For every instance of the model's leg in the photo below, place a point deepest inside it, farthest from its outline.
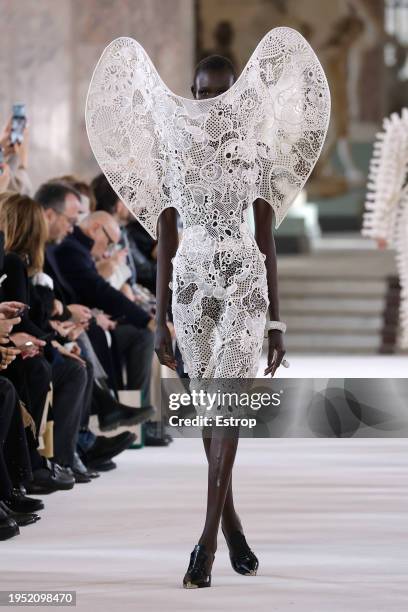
(243, 559)
(230, 519)
(221, 458)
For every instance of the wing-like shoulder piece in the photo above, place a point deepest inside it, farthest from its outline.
(294, 118)
(158, 149)
(126, 128)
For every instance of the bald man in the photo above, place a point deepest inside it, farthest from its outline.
(76, 260)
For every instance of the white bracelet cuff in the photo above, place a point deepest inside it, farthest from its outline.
(280, 325)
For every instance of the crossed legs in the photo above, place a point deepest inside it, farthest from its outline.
(220, 450)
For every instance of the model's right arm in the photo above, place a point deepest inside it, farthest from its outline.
(167, 247)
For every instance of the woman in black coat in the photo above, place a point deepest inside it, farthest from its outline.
(23, 223)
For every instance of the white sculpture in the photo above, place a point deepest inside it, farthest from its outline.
(386, 215)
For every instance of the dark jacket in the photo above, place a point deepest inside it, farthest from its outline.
(17, 287)
(63, 290)
(77, 267)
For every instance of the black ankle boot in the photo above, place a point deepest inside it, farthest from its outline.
(112, 414)
(243, 560)
(197, 576)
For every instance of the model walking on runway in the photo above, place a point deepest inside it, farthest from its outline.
(238, 143)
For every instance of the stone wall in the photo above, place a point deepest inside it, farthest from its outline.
(49, 49)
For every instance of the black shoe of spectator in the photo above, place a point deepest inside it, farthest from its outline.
(153, 436)
(20, 503)
(79, 467)
(106, 448)
(81, 478)
(8, 526)
(49, 479)
(124, 416)
(102, 466)
(64, 470)
(22, 519)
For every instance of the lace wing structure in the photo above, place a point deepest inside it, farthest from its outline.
(295, 114)
(126, 127)
(153, 145)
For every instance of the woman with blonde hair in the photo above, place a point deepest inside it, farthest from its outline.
(25, 234)
(25, 229)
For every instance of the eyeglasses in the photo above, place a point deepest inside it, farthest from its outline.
(111, 243)
(72, 221)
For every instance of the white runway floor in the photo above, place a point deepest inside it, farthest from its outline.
(327, 519)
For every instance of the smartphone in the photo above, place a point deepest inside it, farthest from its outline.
(1, 161)
(20, 311)
(18, 123)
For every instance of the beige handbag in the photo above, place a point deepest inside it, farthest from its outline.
(46, 433)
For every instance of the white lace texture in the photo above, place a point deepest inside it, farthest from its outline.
(211, 159)
(386, 207)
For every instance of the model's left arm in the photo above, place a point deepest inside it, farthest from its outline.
(263, 215)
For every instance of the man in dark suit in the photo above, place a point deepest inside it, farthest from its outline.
(62, 205)
(76, 260)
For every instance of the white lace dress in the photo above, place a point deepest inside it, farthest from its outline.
(211, 159)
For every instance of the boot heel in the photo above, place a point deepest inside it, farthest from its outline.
(243, 559)
(197, 576)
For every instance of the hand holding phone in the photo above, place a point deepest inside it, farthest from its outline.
(18, 123)
(22, 310)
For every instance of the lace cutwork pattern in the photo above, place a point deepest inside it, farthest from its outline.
(211, 159)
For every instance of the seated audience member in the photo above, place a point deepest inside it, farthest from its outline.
(64, 367)
(15, 464)
(88, 204)
(111, 271)
(23, 222)
(17, 372)
(143, 267)
(61, 206)
(140, 269)
(25, 232)
(141, 248)
(76, 257)
(16, 510)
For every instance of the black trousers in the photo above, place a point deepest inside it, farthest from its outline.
(15, 466)
(108, 356)
(136, 346)
(70, 383)
(87, 403)
(32, 378)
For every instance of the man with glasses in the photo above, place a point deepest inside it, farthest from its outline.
(62, 207)
(134, 336)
